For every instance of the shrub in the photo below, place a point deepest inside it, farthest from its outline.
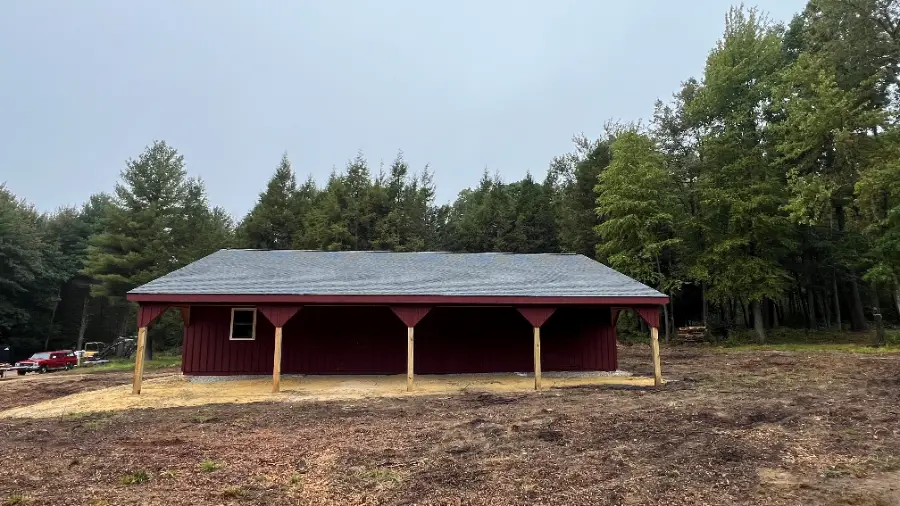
(209, 465)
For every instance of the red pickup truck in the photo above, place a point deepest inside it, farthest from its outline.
(47, 361)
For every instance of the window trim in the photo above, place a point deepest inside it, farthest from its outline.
(231, 326)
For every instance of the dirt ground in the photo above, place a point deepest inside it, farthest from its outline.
(735, 428)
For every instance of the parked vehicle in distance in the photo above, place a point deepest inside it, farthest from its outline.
(46, 361)
(92, 348)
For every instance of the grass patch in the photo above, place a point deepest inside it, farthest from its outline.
(169, 474)
(209, 465)
(18, 500)
(134, 478)
(790, 336)
(782, 339)
(234, 492)
(864, 468)
(116, 364)
(800, 347)
(378, 477)
(204, 418)
(885, 464)
(790, 339)
(89, 420)
(799, 340)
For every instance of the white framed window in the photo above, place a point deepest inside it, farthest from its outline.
(243, 324)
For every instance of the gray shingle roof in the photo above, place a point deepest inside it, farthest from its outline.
(259, 272)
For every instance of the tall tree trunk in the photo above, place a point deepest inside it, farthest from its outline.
(824, 309)
(837, 302)
(728, 316)
(775, 308)
(672, 327)
(83, 326)
(897, 296)
(876, 315)
(802, 309)
(811, 308)
(732, 313)
(672, 316)
(52, 317)
(706, 304)
(758, 322)
(880, 339)
(857, 314)
(788, 311)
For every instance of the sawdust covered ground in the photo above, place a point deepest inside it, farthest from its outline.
(17, 391)
(173, 391)
(737, 428)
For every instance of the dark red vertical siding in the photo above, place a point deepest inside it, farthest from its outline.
(579, 339)
(372, 340)
(207, 349)
(473, 340)
(344, 340)
(149, 312)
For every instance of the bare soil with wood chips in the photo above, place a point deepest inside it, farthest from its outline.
(729, 428)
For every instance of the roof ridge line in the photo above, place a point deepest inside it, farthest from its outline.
(433, 252)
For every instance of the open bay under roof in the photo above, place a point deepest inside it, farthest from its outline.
(367, 276)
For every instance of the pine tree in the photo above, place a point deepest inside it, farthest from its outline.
(303, 206)
(157, 222)
(392, 230)
(534, 229)
(576, 177)
(273, 222)
(138, 242)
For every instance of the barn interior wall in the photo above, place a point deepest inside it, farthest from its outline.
(372, 340)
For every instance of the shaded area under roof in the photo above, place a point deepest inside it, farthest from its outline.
(369, 273)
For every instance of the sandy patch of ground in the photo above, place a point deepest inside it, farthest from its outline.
(177, 391)
(16, 391)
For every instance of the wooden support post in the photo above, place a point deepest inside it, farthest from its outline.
(654, 345)
(139, 361)
(409, 359)
(537, 358)
(276, 366)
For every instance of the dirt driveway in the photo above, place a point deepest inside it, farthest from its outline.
(737, 428)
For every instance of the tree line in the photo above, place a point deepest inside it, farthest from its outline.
(765, 192)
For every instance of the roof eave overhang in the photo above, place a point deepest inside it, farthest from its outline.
(391, 299)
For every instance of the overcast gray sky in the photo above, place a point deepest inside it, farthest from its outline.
(460, 85)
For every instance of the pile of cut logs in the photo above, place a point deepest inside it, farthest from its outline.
(694, 334)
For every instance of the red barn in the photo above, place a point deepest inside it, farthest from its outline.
(314, 312)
